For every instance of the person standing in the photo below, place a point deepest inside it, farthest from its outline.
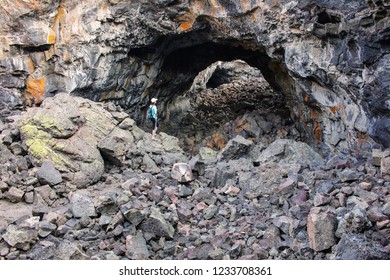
(152, 115)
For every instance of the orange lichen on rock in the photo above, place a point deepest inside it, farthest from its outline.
(35, 90)
(317, 131)
(219, 140)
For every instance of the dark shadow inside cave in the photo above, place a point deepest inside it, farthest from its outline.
(183, 57)
(177, 75)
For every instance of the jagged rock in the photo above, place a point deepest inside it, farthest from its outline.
(47, 194)
(6, 154)
(377, 156)
(236, 148)
(67, 250)
(385, 166)
(359, 247)
(115, 146)
(82, 205)
(48, 174)
(136, 248)
(289, 151)
(43, 250)
(349, 175)
(24, 235)
(14, 194)
(182, 172)
(157, 224)
(149, 165)
(355, 221)
(66, 131)
(321, 227)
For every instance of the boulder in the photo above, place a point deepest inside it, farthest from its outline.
(115, 146)
(291, 152)
(66, 131)
(236, 148)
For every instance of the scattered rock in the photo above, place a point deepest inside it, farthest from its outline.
(81, 206)
(359, 247)
(157, 224)
(321, 228)
(48, 174)
(136, 248)
(14, 194)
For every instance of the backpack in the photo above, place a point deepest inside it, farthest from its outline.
(149, 114)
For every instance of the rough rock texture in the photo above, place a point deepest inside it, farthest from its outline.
(326, 61)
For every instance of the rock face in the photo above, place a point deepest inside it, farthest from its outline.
(323, 64)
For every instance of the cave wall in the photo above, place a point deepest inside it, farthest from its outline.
(329, 58)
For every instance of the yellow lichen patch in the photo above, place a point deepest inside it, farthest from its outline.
(41, 146)
(51, 37)
(35, 89)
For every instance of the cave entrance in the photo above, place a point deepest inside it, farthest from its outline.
(210, 92)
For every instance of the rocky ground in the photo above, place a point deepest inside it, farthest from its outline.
(74, 189)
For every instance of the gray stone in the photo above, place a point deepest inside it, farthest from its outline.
(349, 175)
(157, 224)
(291, 152)
(236, 148)
(22, 236)
(385, 166)
(283, 223)
(321, 227)
(377, 156)
(210, 212)
(355, 221)
(115, 146)
(136, 248)
(67, 250)
(14, 194)
(48, 174)
(134, 216)
(321, 199)
(386, 209)
(149, 165)
(43, 250)
(82, 205)
(47, 194)
(360, 247)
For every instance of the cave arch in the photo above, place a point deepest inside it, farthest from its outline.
(181, 65)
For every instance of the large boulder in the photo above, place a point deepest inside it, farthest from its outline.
(290, 151)
(66, 131)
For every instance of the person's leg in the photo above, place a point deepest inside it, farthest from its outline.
(154, 132)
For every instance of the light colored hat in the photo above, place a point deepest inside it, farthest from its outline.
(153, 100)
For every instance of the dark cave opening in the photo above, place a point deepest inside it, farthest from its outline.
(182, 65)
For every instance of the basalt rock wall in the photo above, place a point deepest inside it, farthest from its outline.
(329, 59)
